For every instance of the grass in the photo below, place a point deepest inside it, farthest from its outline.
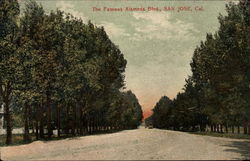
(224, 135)
(17, 139)
(234, 135)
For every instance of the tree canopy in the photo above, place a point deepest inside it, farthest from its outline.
(59, 73)
(217, 93)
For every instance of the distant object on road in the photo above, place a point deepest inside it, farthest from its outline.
(150, 126)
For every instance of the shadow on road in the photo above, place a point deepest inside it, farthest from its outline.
(241, 147)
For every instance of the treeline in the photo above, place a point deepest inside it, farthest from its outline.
(58, 73)
(217, 94)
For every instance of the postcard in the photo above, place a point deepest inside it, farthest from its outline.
(124, 79)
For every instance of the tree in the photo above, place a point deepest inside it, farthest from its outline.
(220, 66)
(64, 75)
(9, 64)
(162, 113)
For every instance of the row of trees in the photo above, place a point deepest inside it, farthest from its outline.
(59, 73)
(217, 94)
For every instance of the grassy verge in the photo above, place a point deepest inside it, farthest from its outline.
(17, 139)
(224, 135)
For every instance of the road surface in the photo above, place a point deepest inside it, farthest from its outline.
(139, 144)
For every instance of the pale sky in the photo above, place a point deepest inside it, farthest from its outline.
(158, 45)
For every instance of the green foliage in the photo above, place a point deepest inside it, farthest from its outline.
(63, 74)
(9, 62)
(182, 113)
(218, 91)
(125, 111)
(161, 116)
(220, 67)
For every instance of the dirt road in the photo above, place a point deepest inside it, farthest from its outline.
(137, 144)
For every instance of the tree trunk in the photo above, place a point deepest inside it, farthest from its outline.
(95, 124)
(50, 132)
(217, 128)
(233, 129)
(81, 121)
(37, 128)
(221, 128)
(58, 121)
(68, 119)
(26, 135)
(88, 125)
(238, 127)
(41, 127)
(41, 130)
(74, 121)
(226, 128)
(245, 129)
(8, 122)
(5, 94)
(91, 126)
(33, 127)
(248, 129)
(211, 128)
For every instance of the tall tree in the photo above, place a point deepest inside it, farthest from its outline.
(9, 64)
(161, 116)
(220, 65)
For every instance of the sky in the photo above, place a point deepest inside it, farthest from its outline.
(158, 45)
